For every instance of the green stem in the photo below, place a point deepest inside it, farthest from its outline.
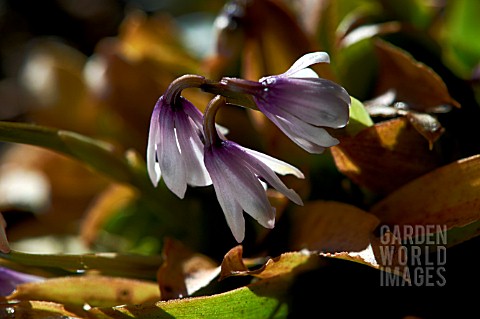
(136, 266)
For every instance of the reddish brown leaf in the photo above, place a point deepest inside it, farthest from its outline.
(234, 265)
(446, 196)
(427, 125)
(385, 156)
(414, 83)
(183, 270)
(331, 227)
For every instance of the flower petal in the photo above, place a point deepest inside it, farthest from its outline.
(152, 166)
(316, 135)
(305, 61)
(171, 162)
(303, 134)
(276, 165)
(263, 171)
(191, 148)
(304, 73)
(318, 101)
(225, 195)
(249, 192)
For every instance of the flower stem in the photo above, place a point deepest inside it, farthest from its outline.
(232, 96)
(175, 88)
(210, 131)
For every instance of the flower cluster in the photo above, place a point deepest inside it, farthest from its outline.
(186, 147)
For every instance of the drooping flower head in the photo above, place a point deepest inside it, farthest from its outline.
(237, 174)
(175, 147)
(300, 103)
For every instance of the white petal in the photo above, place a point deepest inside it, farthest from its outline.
(304, 73)
(246, 189)
(191, 149)
(278, 166)
(307, 60)
(153, 167)
(225, 195)
(171, 162)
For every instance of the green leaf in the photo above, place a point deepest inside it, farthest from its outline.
(357, 67)
(263, 300)
(266, 298)
(133, 266)
(460, 43)
(96, 291)
(359, 118)
(99, 155)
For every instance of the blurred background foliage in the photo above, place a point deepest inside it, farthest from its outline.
(96, 68)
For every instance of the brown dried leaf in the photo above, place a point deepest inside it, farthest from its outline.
(446, 196)
(285, 264)
(414, 83)
(234, 264)
(183, 271)
(427, 125)
(35, 310)
(331, 227)
(385, 156)
(343, 231)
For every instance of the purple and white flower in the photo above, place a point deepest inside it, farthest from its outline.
(300, 103)
(238, 174)
(175, 147)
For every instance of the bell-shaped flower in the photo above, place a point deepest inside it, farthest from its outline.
(300, 103)
(238, 175)
(175, 147)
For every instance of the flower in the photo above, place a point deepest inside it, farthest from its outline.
(10, 279)
(237, 174)
(175, 147)
(300, 103)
